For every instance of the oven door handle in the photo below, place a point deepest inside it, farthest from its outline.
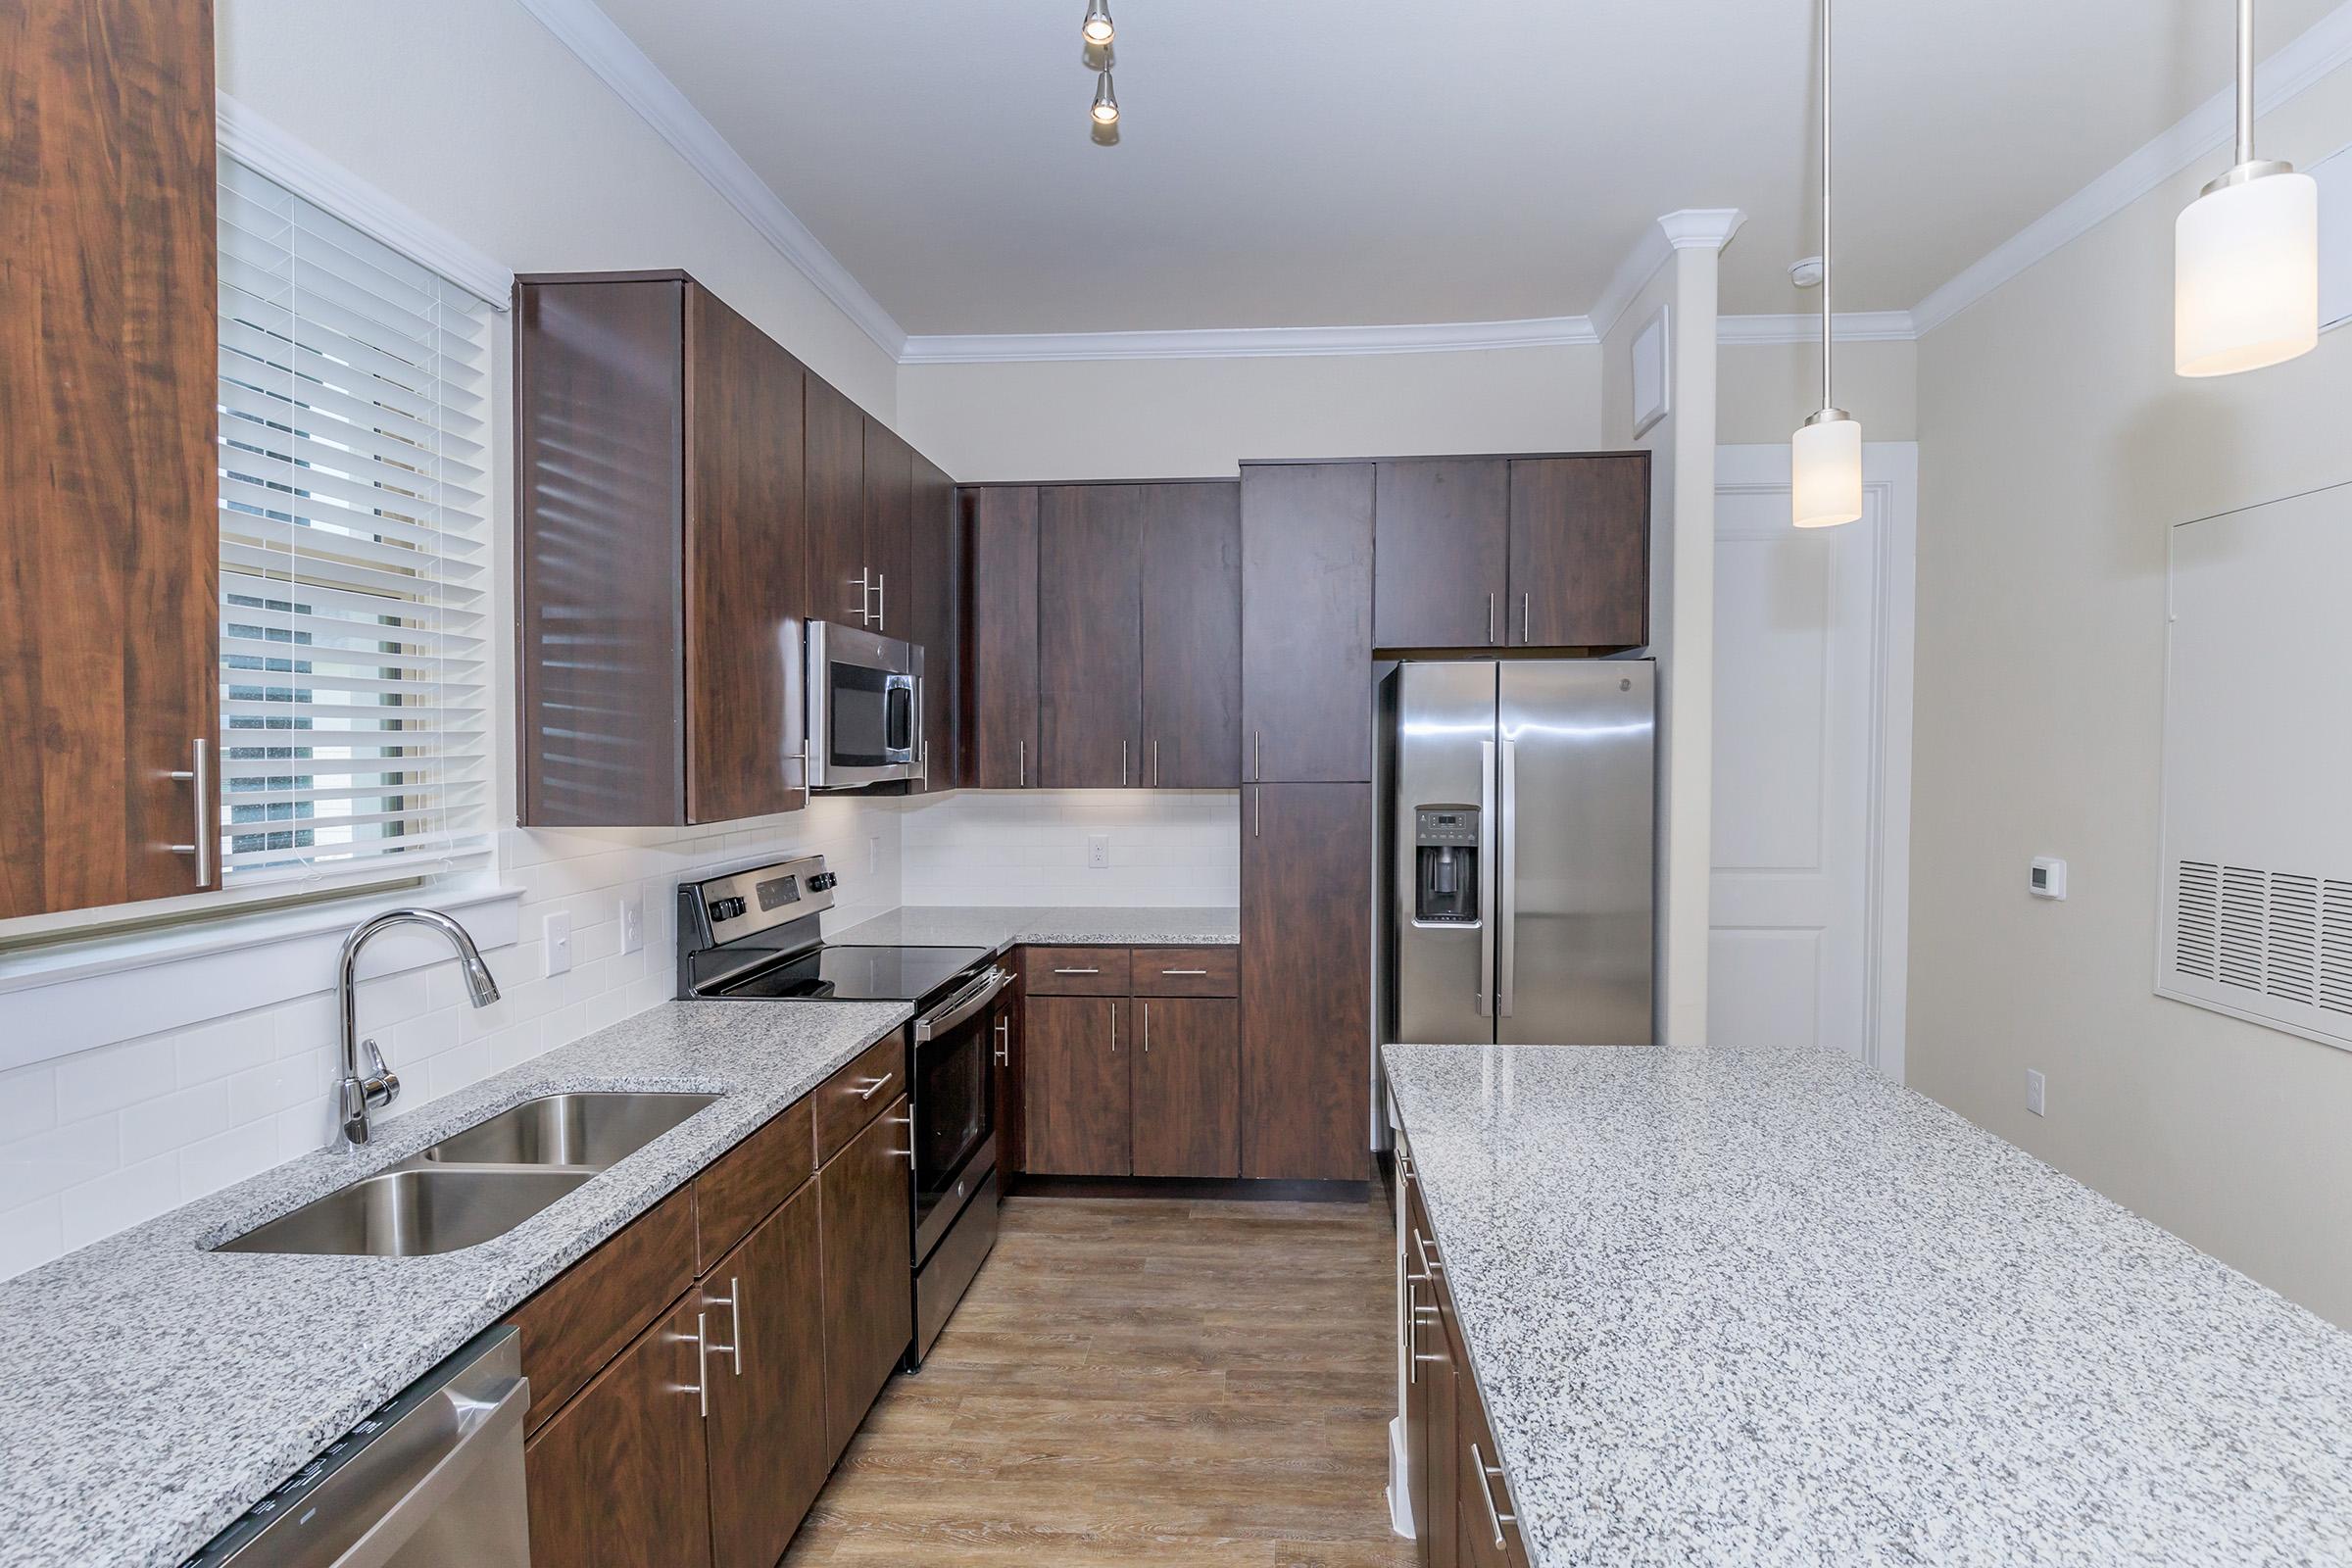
(962, 1006)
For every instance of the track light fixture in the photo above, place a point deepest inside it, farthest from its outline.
(1107, 104)
(1096, 28)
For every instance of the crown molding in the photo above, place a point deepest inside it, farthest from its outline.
(605, 49)
(260, 146)
(1701, 227)
(1246, 343)
(1687, 228)
(2322, 47)
(1853, 326)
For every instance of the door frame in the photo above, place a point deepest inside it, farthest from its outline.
(1891, 480)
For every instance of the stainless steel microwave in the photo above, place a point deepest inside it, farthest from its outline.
(865, 708)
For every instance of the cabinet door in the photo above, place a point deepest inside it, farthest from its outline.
(1005, 1042)
(1000, 637)
(1188, 1088)
(1090, 652)
(618, 1479)
(1074, 1086)
(931, 594)
(866, 1202)
(767, 1432)
(889, 512)
(1442, 553)
(1580, 552)
(109, 543)
(1306, 621)
(835, 509)
(1306, 907)
(1486, 1521)
(1191, 604)
(745, 717)
(1430, 1398)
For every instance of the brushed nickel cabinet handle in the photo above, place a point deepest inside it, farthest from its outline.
(1490, 620)
(1003, 1042)
(1487, 1474)
(198, 774)
(906, 1121)
(1077, 971)
(1184, 971)
(1257, 756)
(866, 592)
(881, 603)
(1146, 1028)
(1115, 1028)
(1258, 809)
(1023, 749)
(1157, 777)
(733, 1302)
(873, 1085)
(702, 1368)
(1122, 765)
(1526, 622)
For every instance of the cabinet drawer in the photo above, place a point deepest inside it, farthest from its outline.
(859, 1093)
(1486, 1516)
(743, 1185)
(1075, 971)
(1187, 971)
(586, 1316)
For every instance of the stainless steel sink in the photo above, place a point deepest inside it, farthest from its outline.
(410, 1212)
(592, 1129)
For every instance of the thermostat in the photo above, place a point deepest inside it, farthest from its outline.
(2048, 880)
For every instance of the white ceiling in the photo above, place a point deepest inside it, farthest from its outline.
(1297, 163)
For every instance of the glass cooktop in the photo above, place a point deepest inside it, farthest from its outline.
(859, 974)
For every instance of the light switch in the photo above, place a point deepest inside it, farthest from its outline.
(555, 941)
(2033, 1087)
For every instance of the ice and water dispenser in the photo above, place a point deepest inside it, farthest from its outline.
(1445, 865)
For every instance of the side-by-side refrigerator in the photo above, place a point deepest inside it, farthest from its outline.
(1518, 851)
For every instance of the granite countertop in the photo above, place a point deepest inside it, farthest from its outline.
(974, 926)
(156, 1391)
(1731, 1309)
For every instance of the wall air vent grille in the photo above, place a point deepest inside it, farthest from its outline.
(2196, 917)
(2291, 939)
(2335, 948)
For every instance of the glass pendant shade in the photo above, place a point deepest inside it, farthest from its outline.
(1825, 471)
(1106, 106)
(2246, 274)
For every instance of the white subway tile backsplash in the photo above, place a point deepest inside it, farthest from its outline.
(102, 1140)
(1020, 847)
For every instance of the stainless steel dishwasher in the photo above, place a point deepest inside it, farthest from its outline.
(432, 1480)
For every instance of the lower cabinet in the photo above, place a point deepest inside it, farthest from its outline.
(767, 1451)
(865, 1219)
(1079, 1116)
(617, 1479)
(1131, 1086)
(1186, 1084)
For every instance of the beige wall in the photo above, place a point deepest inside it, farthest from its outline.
(2056, 447)
(473, 114)
(1181, 418)
(1765, 390)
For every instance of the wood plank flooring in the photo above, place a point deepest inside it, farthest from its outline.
(1141, 1381)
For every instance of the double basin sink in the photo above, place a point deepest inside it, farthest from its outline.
(476, 1184)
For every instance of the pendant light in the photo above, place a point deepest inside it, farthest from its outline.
(1106, 105)
(1096, 28)
(1824, 456)
(2246, 254)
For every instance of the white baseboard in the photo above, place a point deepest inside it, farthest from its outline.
(1401, 1500)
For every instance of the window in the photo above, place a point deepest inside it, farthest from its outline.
(355, 551)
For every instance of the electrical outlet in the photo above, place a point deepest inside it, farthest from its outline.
(2033, 1091)
(555, 941)
(1098, 850)
(873, 853)
(632, 921)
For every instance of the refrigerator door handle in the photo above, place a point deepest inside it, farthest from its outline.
(1508, 855)
(1486, 879)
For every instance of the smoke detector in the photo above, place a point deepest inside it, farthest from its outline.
(1806, 273)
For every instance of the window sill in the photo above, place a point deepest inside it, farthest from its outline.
(56, 1001)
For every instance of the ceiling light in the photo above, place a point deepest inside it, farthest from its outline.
(1096, 27)
(1106, 107)
(1824, 456)
(2246, 254)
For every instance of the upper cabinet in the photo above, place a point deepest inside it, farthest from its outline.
(998, 541)
(1306, 621)
(1089, 644)
(1517, 552)
(931, 618)
(110, 609)
(1191, 605)
(839, 586)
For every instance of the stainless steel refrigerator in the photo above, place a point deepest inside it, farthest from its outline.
(1518, 851)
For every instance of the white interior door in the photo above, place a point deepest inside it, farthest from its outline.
(1811, 771)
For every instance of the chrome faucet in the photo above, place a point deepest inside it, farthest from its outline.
(381, 1086)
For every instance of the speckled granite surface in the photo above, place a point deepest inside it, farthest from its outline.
(1761, 1311)
(973, 926)
(155, 1391)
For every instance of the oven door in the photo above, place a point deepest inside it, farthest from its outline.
(865, 708)
(955, 1107)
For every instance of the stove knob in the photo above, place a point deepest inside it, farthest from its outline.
(728, 909)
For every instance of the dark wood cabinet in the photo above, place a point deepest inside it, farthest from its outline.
(1010, 1065)
(1090, 635)
(1078, 1115)
(889, 512)
(839, 588)
(1442, 552)
(1307, 908)
(931, 618)
(999, 636)
(1187, 1087)
(109, 544)
(768, 1451)
(1429, 1399)
(1580, 552)
(1306, 621)
(660, 605)
(1192, 638)
(617, 1478)
(864, 1213)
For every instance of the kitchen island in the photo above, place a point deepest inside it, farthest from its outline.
(1732, 1308)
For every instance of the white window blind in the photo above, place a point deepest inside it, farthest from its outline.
(355, 551)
